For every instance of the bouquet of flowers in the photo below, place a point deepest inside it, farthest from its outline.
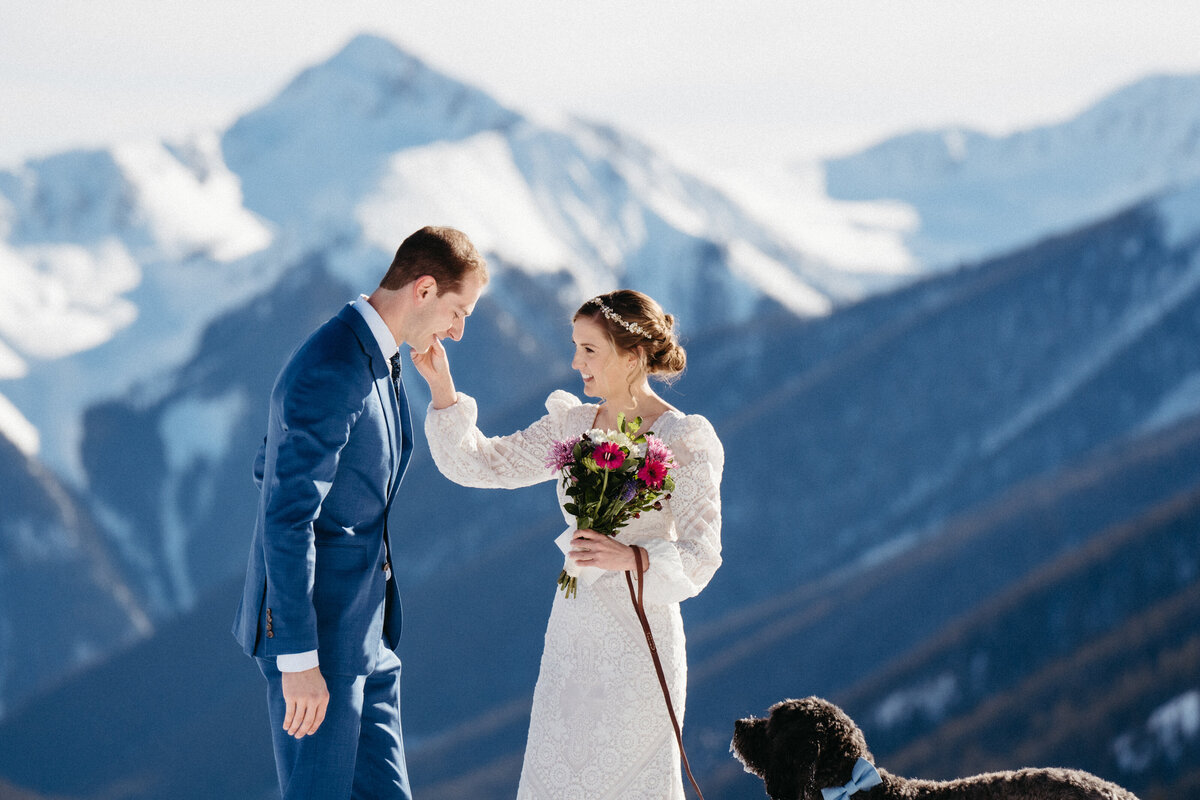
(611, 477)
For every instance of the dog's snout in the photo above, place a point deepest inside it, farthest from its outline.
(749, 727)
(749, 739)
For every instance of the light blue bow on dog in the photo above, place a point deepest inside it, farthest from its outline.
(864, 776)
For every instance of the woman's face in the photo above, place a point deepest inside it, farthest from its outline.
(605, 370)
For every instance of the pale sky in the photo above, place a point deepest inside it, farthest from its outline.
(736, 82)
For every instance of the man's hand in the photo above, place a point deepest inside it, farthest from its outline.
(307, 698)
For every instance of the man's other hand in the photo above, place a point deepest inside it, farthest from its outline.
(307, 698)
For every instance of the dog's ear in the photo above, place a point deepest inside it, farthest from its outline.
(795, 752)
(842, 744)
(792, 773)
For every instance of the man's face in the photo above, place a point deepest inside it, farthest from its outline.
(445, 315)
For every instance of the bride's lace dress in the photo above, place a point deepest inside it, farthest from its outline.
(599, 729)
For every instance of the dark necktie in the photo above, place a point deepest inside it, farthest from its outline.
(396, 371)
(387, 545)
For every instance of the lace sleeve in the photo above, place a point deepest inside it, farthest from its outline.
(467, 457)
(680, 569)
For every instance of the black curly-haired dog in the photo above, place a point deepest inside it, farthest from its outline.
(808, 745)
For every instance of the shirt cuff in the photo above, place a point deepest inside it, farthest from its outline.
(297, 662)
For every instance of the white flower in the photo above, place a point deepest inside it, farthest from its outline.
(621, 440)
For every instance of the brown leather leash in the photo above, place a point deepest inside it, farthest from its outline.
(640, 608)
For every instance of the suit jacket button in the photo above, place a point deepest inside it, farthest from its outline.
(270, 634)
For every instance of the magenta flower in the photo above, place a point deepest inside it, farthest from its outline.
(561, 455)
(653, 473)
(608, 455)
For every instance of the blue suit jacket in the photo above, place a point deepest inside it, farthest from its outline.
(338, 442)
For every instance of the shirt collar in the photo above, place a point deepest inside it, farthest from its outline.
(379, 329)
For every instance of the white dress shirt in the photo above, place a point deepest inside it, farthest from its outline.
(298, 662)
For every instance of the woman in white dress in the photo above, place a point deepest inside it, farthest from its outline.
(599, 728)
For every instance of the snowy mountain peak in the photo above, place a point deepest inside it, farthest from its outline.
(84, 229)
(160, 201)
(977, 194)
(1162, 101)
(368, 52)
(321, 141)
(79, 195)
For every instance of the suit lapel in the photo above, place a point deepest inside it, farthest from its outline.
(406, 434)
(387, 399)
(395, 413)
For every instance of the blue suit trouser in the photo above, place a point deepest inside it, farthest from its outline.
(358, 752)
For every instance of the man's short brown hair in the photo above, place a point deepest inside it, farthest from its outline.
(445, 254)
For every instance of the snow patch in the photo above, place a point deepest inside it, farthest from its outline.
(195, 429)
(775, 280)
(191, 210)
(61, 299)
(471, 185)
(17, 429)
(1169, 729)
(11, 364)
(928, 700)
(863, 238)
(956, 144)
(192, 430)
(888, 551)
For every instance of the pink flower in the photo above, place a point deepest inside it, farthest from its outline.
(561, 455)
(652, 473)
(657, 450)
(608, 455)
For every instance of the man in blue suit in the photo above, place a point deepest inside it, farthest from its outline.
(320, 610)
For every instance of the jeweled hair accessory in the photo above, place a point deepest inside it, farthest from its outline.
(632, 327)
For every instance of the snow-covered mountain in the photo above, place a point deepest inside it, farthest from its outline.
(114, 260)
(111, 263)
(388, 144)
(972, 195)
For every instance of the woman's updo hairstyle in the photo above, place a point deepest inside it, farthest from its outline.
(636, 323)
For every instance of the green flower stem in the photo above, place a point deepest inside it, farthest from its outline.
(568, 585)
